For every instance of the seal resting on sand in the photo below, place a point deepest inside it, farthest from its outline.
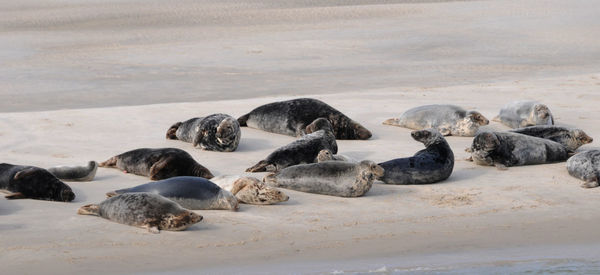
(29, 182)
(75, 173)
(250, 190)
(519, 114)
(586, 166)
(570, 138)
(217, 132)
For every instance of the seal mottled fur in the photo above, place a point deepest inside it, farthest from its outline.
(31, 182)
(75, 173)
(250, 190)
(570, 138)
(586, 166)
(327, 155)
(519, 114)
(216, 132)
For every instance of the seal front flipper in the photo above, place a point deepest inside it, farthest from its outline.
(500, 166)
(158, 167)
(14, 196)
(590, 184)
(152, 229)
(90, 209)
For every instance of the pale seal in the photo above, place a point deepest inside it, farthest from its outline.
(250, 190)
(158, 163)
(519, 114)
(334, 178)
(21, 182)
(75, 173)
(217, 132)
(447, 119)
(327, 155)
(430, 165)
(303, 150)
(586, 166)
(570, 138)
(146, 210)
(292, 116)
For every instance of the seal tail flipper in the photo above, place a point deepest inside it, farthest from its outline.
(109, 163)
(270, 179)
(111, 194)
(261, 166)
(171, 133)
(92, 167)
(90, 209)
(392, 121)
(243, 119)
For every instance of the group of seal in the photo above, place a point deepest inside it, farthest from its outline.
(216, 132)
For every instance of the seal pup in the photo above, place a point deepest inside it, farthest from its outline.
(504, 149)
(190, 192)
(216, 132)
(334, 178)
(570, 138)
(75, 173)
(158, 164)
(21, 182)
(586, 166)
(519, 114)
(292, 116)
(250, 190)
(447, 119)
(430, 165)
(303, 150)
(327, 155)
(146, 210)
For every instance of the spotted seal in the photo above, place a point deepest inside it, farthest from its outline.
(216, 132)
(447, 119)
(523, 113)
(430, 165)
(146, 210)
(158, 164)
(250, 190)
(75, 173)
(586, 166)
(292, 116)
(21, 182)
(327, 155)
(570, 138)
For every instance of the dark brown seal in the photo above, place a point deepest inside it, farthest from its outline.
(33, 183)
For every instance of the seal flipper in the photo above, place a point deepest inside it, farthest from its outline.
(243, 119)
(152, 229)
(111, 194)
(90, 209)
(171, 133)
(261, 166)
(497, 119)
(158, 167)
(500, 166)
(237, 186)
(392, 121)
(592, 182)
(270, 179)
(109, 163)
(23, 173)
(15, 196)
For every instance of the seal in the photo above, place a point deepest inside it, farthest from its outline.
(158, 164)
(146, 210)
(519, 114)
(327, 155)
(586, 166)
(292, 116)
(21, 182)
(250, 190)
(447, 119)
(570, 138)
(190, 192)
(504, 149)
(216, 132)
(430, 165)
(334, 178)
(75, 173)
(303, 150)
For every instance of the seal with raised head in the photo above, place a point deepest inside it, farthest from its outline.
(146, 210)
(216, 132)
(523, 113)
(334, 178)
(504, 149)
(570, 138)
(292, 116)
(586, 166)
(75, 173)
(190, 192)
(327, 155)
(430, 165)
(447, 119)
(158, 164)
(22, 182)
(303, 150)
(250, 190)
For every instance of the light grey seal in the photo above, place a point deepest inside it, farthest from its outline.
(75, 173)
(327, 155)
(519, 114)
(570, 138)
(22, 182)
(250, 190)
(447, 119)
(216, 132)
(586, 166)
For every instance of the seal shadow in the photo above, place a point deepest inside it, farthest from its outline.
(102, 177)
(7, 207)
(466, 174)
(380, 188)
(202, 226)
(253, 144)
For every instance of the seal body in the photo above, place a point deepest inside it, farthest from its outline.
(292, 116)
(518, 114)
(33, 183)
(327, 155)
(146, 210)
(303, 150)
(430, 165)
(216, 132)
(250, 190)
(586, 166)
(570, 138)
(447, 119)
(158, 163)
(75, 173)
(334, 178)
(189, 192)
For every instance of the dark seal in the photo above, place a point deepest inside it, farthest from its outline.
(291, 118)
(586, 166)
(570, 138)
(217, 132)
(158, 163)
(33, 183)
(75, 173)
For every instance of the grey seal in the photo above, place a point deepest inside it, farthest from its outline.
(75, 173)
(303, 150)
(586, 166)
(292, 116)
(216, 132)
(146, 210)
(334, 178)
(250, 190)
(158, 164)
(447, 119)
(21, 182)
(570, 138)
(190, 192)
(430, 165)
(523, 113)
(327, 155)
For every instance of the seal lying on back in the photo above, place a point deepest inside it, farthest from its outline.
(190, 192)
(292, 116)
(31, 182)
(586, 166)
(570, 138)
(334, 178)
(145, 210)
(303, 150)
(511, 149)
(430, 165)
(250, 190)
(518, 114)
(217, 132)
(75, 173)
(327, 155)
(447, 119)
(158, 163)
